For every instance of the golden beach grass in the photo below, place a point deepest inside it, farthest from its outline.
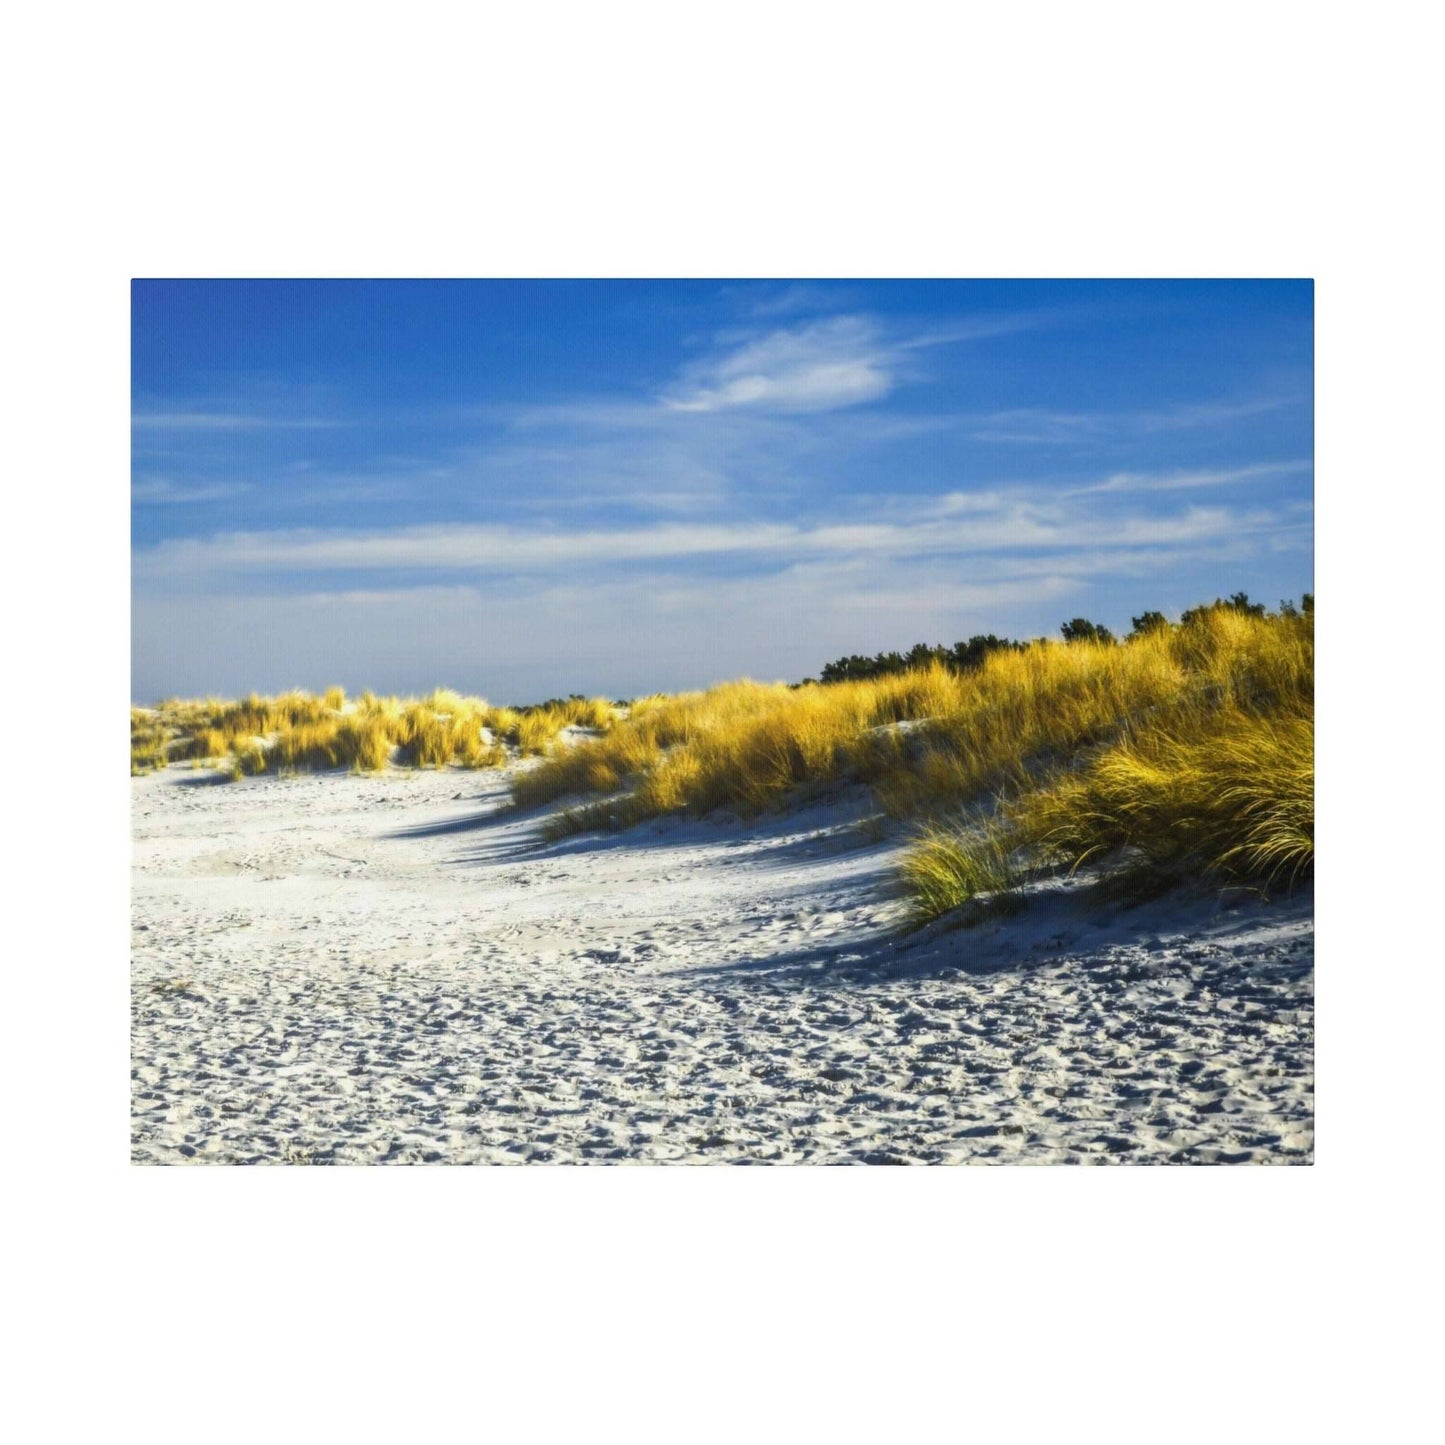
(299, 732)
(1185, 751)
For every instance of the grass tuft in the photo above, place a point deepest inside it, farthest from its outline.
(149, 741)
(1233, 799)
(969, 870)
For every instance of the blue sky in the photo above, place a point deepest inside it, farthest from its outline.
(531, 488)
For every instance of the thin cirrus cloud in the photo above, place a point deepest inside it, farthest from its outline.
(489, 636)
(826, 365)
(510, 549)
(835, 363)
(161, 492)
(1179, 481)
(1039, 426)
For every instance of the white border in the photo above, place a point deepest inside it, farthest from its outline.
(636, 140)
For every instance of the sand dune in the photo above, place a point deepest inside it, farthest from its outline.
(394, 969)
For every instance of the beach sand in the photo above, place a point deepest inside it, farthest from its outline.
(395, 969)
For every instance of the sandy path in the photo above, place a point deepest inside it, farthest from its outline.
(389, 969)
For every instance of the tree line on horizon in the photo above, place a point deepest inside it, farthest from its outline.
(969, 656)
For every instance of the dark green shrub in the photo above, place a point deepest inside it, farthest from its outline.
(1239, 602)
(1080, 629)
(961, 657)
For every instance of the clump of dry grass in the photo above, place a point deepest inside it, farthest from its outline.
(444, 729)
(307, 747)
(296, 709)
(743, 745)
(634, 749)
(600, 817)
(364, 743)
(1232, 797)
(149, 742)
(1214, 780)
(204, 744)
(296, 732)
(971, 870)
(597, 713)
(502, 722)
(747, 745)
(246, 760)
(534, 730)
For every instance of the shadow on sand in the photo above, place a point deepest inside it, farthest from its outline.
(1064, 919)
(770, 845)
(202, 780)
(1067, 921)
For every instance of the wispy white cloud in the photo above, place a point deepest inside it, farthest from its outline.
(824, 365)
(835, 363)
(957, 504)
(159, 491)
(977, 328)
(1178, 481)
(636, 629)
(1041, 426)
(994, 525)
(624, 635)
(1204, 414)
(1034, 425)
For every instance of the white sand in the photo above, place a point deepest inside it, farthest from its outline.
(313, 982)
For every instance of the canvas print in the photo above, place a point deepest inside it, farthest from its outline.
(722, 722)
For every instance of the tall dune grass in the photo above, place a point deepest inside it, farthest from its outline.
(1232, 797)
(1213, 782)
(299, 732)
(534, 730)
(747, 746)
(1187, 750)
(149, 741)
(970, 869)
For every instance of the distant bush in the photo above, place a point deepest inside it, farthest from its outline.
(1080, 629)
(1239, 602)
(961, 657)
(1147, 622)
